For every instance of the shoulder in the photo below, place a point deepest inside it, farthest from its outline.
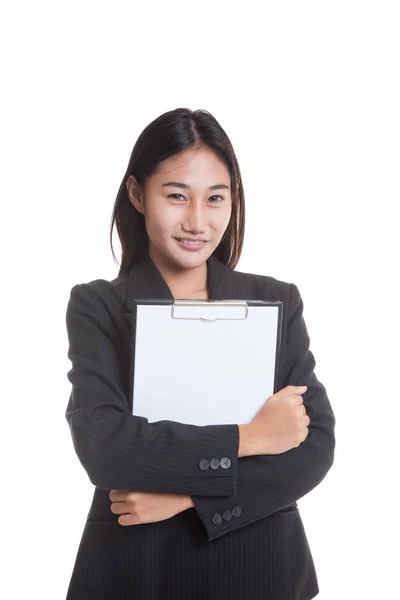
(101, 297)
(269, 288)
(272, 289)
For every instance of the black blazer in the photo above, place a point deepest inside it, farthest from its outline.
(244, 539)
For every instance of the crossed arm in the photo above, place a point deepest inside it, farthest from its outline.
(159, 462)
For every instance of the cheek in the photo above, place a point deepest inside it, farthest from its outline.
(160, 223)
(224, 218)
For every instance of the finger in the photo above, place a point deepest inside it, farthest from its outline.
(298, 400)
(295, 389)
(118, 495)
(119, 508)
(128, 520)
(290, 389)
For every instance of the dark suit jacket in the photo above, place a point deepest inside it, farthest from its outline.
(244, 538)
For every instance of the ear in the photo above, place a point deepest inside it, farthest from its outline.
(135, 193)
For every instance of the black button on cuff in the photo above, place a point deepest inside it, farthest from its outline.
(225, 462)
(236, 511)
(216, 519)
(204, 464)
(227, 515)
(214, 463)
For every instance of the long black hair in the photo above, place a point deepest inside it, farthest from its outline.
(171, 133)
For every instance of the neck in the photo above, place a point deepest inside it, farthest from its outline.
(183, 283)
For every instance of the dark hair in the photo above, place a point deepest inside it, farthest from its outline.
(173, 132)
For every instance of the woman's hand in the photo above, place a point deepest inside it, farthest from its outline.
(136, 508)
(282, 422)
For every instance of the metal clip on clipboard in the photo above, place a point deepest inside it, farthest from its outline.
(215, 308)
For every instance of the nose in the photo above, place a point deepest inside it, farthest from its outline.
(195, 218)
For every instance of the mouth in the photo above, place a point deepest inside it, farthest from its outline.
(191, 244)
(190, 240)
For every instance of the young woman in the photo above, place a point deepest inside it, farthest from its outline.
(186, 512)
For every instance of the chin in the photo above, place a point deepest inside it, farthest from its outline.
(190, 260)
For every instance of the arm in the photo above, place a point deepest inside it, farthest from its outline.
(266, 484)
(117, 449)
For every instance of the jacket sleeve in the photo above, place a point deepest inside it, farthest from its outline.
(268, 483)
(117, 449)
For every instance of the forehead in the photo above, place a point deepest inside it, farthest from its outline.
(194, 166)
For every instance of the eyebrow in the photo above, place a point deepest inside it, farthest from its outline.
(218, 186)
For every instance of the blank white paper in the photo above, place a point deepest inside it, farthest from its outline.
(204, 372)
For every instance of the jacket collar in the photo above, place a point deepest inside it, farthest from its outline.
(146, 281)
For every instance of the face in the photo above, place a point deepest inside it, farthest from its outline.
(189, 198)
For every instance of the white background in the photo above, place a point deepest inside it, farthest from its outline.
(308, 93)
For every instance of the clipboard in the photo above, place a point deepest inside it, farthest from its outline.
(203, 362)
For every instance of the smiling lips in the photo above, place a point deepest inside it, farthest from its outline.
(190, 240)
(191, 244)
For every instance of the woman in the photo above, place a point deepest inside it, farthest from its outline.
(182, 511)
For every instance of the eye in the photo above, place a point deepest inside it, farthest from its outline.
(180, 196)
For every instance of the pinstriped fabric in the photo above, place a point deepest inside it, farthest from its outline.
(98, 412)
(260, 553)
(277, 481)
(270, 560)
